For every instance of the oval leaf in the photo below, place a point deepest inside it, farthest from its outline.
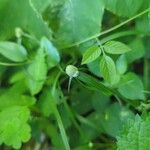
(91, 54)
(108, 69)
(13, 51)
(115, 47)
(131, 87)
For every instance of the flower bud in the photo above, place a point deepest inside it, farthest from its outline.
(72, 71)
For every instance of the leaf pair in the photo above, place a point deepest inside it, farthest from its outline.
(111, 47)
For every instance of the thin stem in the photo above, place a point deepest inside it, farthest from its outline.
(117, 35)
(100, 45)
(69, 83)
(11, 64)
(58, 117)
(109, 30)
(62, 130)
(118, 99)
(30, 37)
(72, 117)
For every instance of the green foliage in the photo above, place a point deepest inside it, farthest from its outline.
(36, 72)
(13, 51)
(137, 52)
(72, 28)
(22, 15)
(14, 128)
(131, 84)
(126, 8)
(135, 134)
(121, 64)
(115, 47)
(108, 69)
(91, 54)
(101, 48)
(52, 55)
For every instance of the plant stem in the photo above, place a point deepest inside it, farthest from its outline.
(58, 117)
(62, 130)
(109, 30)
(11, 64)
(117, 35)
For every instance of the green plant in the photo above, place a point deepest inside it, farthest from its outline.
(74, 74)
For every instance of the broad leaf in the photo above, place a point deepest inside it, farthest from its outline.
(135, 135)
(13, 126)
(52, 55)
(138, 50)
(125, 8)
(108, 69)
(39, 5)
(131, 87)
(13, 51)
(115, 47)
(10, 98)
(36, 72)
(21, 14)
(79, 20)
(143, 23)
(113, 117)
(91, 54)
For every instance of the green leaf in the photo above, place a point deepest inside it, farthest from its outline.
(143, 23)
(39, 5)
(36, 72)
(13, 126)
(91, 54)
(10, 98)
(13, 51)
(23, 15)
(138, 50)
(52, 57)
(125, 8)
(113, 117)
(135, 134)
(115, 47)
(131, 87)
(121, 64)
(108, 69)
(46, 102)
(93, 67)
(77, 22)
